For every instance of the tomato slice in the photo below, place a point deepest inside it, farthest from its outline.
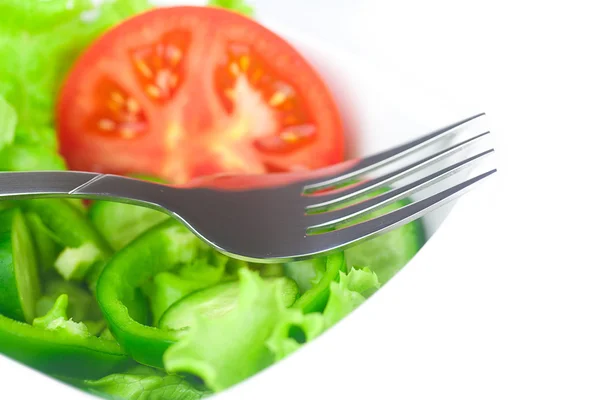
(184, 92)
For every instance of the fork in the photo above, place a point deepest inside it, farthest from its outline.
(276, 217)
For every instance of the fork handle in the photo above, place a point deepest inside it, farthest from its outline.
(23, 185)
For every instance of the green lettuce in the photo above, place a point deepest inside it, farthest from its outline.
(259, 330)
(296, 328)
(293, 330)
(239, 6)
(39, 41)
(8, 123)
(30, 158)
(232, 347)
(306, 273)
(347, 294)
(143, 383)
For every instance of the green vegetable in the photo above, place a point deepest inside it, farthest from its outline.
(82, 305)
(233, 345)
(145, 384)
(46, 244)
(219, 319)
(207, 270)
(390, 252)
(30, 158)
(315, 298)
(85, 249)
(168, 287)
(347, 294)
(217, 301)
(138, 307)
(62, 349)
(306, 273)
(74, 263)
(121, 223)
(8, 123)
(95, 328)
(292, 331)
(19, 281)
(295, 329)
(56, 320)
(239, 6)
(38, 43)
(161, 249)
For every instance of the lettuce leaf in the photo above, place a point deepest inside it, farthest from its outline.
(8, 123)
(260, 330)
(347, 294)
(296, 328)
(143, 383)
(225, 350)
(30, 158)
(239, 6)
(39, 42)
(293, 330)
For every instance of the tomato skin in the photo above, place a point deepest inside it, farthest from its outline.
(183, 92)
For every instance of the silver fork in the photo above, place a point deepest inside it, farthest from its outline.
(275, 217)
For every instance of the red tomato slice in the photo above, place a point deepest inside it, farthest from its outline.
(184, 92)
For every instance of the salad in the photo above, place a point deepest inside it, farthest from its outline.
(123, 301)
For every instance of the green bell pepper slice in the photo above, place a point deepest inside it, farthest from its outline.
(85, 251)
(58, 352)
(160, 249)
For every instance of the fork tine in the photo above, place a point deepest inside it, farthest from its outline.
(380, 159)
(333, 218)
(328, 201)
(404, 215)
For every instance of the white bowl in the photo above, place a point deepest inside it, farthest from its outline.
(381, 108)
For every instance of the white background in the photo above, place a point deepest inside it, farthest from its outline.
(503, 302)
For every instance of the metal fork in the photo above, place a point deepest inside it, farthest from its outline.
(275, 217)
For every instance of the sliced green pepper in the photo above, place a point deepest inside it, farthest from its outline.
(82, 304)
(46, 244)
(19, 280)
(85, 250)
(59, 351)
(315, 298)
(160, 249)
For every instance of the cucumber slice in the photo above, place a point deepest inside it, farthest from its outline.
(19, 280)
(120, 223)
(216, 301)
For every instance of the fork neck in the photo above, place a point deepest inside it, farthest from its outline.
(23, 185)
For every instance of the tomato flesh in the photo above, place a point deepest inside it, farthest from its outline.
(184, 92)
